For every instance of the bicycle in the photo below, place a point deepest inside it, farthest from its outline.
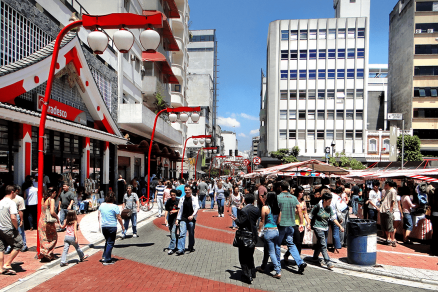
(146, 204)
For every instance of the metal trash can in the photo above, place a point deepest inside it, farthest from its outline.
(362, 242)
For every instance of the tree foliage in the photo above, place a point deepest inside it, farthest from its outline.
(214, 172)
(286, 155)
(342, 160)
(411, 150)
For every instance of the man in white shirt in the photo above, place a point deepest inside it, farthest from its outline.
(31, 198)
(373, 202)
(9, 234)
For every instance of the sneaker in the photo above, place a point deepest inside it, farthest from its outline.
(302, 267)
(277, 276)
(108, 263)
(171, 252)
(123, 236)
(330, 265)
(24, 249)
(135, 235)
(63, 264)
(84, 258)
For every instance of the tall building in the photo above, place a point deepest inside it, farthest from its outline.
(316, 82)
(413, 69)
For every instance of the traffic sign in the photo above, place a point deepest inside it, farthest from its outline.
(395, 117)
(256, 160)
(246, 162)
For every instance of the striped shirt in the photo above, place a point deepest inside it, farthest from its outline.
(160, 190)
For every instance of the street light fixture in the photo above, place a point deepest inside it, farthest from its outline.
(206, 149)
(195, 138)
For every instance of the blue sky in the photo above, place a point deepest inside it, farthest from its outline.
(242, 29)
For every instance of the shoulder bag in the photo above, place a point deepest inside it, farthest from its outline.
(244, 238)
(48, 217)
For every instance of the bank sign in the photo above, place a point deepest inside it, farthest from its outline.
(63, 111)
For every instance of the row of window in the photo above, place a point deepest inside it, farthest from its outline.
(320, 94)
(321, 114)
(322, 74)
(373, 145)
(322, 34)
(427, 6)
(202, 38)
(425, 91)
(320, 134)
(323, 54)
(200, 49)
(426, 49)
(431, 113)
(426, 27)
(426, 70)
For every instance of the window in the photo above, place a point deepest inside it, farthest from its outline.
(422, 92)
(426, 27)
(301, 134)
(320, 114)
(426, 49)
(292, 134)
(200, 49)
(340, 95)
(303, 74)
(321, 73)
(341, 73)
(284, 54)
(349, 114)
(426, 70)
(349, 135)
(359, 73)
(284, 35)
(359, 114)
(331, 73)
(427, 6)
(294, 35)
(293, 74)
(329, 134)
(105, 86)
(302, 115)
(332, 34)
(292, 114)
(283, 94)
(312, 54)
(359, 134)
(359, 93)
(352, 1)
(426, 91)
(360, 53)
(312, 34)
(302, 94)
(283, 134)
(126, 4)
(425, 113)
(283, 74)
(303, 54)
(331, 53)
(339, 114)
(330, 93)
(322, 54)
(339, 134)
(312, 74)
(303, 34)
(283, 114)
(293, 95)
(177, 88)
(372, 145)
(385, 145)
(311, 134)
(320, 135)
(350, 73)
(330, 115)
(321, 93)
(311, 94)
(350, 93)
(205, 38)
(322, 34)
(341, 33)
(341, 53)
(361, 32)
(293, 54)
(350, 53)
(311, 114)
(351, 33)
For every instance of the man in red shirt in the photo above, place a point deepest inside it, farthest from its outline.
(262, 191)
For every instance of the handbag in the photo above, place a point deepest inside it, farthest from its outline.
(49, 218)
(126, 213)
(244, 238)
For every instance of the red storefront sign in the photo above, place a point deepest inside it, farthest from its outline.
(63, 111)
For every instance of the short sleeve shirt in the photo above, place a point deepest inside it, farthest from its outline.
(20, 203)
(374, 197)
(66, 198)
(131, 202)
(288, 204)
(160, 190)
(7, 208)
(203, 188)
(386, 202)
(322, 217)
(108, 213)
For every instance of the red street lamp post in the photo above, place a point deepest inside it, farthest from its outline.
(209, 149)
(98, 41)
(195, 138)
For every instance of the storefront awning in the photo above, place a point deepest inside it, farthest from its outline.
(165, 67)
(173, 13)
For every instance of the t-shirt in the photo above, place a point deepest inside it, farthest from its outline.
(194, 190)
(203, 188)
(131, 202)
(355, 190)
(181, 188)
(322, 217)
(219, 193)
(7, 208)
(108, 214)
(160, 190)
(406, 204)
(187, 209)
(166, 194)
(262, 190)
(20, 203)
(386, 202)
(236, 200)
(288, 204)
(32, 196)
(66, 198)
(172, 205)
(374, 197)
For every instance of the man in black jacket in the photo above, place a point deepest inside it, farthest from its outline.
(247, 220)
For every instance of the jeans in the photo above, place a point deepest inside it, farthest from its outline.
(270, 248)
(110, 238)
(152, 195)
(236, 213)
(160, 205)
(173, 238)
(202, 201)
(133, 220)
(354, 203)
(321, 245)
(70, 240)
(185, 227)
(343, 235)
(211, 201)
(372, 214)
(62, 215)
(220, 206)
(21, 230)
(336, 238)
(287, 232)
(32, 215)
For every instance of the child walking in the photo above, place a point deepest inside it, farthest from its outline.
(71, 237)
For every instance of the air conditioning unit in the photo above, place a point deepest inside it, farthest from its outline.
(418, 31)
(143, 69)
(430, 30)
(132, 57)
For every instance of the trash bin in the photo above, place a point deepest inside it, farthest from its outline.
(362, 242)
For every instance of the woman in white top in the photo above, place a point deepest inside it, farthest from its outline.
(235, 201)
(398, 217)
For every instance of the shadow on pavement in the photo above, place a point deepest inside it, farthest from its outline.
(125, 245)
(235, 275)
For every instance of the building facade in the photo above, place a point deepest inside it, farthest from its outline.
(316, 83)
(413, 69)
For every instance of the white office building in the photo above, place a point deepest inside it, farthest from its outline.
(316, 82)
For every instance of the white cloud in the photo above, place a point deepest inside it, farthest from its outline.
(252, 118)
(253, 132)
(228, 122)
(242, 135)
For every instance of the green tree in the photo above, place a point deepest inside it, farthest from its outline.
(342, 160)
(286, 155)
(411, 150)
